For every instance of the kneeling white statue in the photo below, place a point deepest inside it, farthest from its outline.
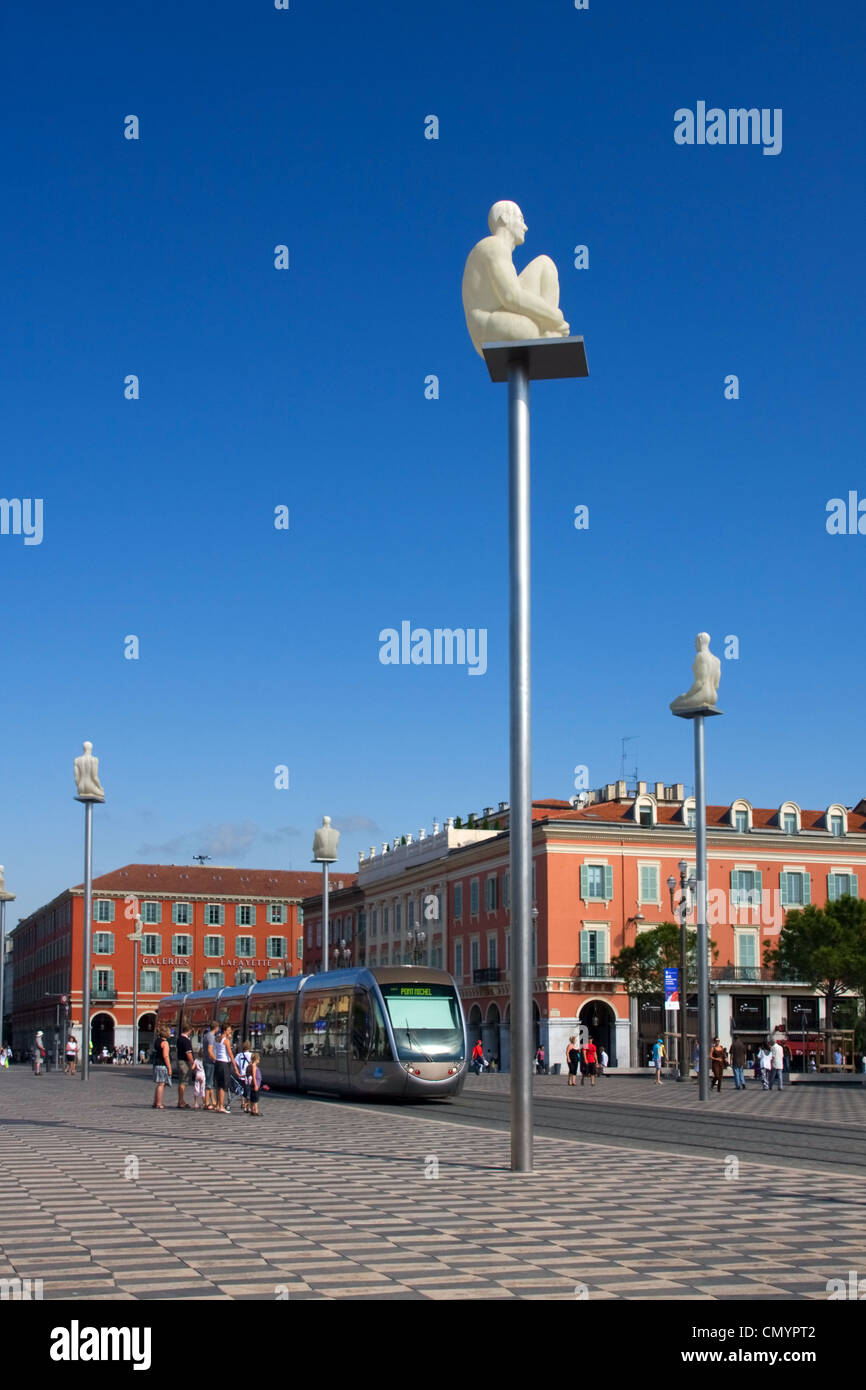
(707, 671)
(500, 305)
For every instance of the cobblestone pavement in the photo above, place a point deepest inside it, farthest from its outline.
(103, 1197)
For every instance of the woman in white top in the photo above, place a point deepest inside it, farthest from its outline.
(765, 1061)
(224, 1062)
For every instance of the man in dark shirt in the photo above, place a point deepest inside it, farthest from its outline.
(738, 1062)
(185, 1059)
(208, 1057)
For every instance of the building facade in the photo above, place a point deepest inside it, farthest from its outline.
(203, 927)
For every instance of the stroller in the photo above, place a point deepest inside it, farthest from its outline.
(236, 1091)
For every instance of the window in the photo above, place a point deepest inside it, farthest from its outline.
(837, 825)
(151, 944)
(789, 823)
(645, 815)
(691, 817)
(491, 893)
(214, 915)
(103, 984)
(103, 943)
(506, 889)
(458, 900)
(795, 889)
(374, 922)
(151, 982)
(151, 914)
(276, 947)
(492, 961)
(386, 921)
(277, 914)
(246, 977)
(648, 875)
(214, 946)
(838, 885)
(181, 981)
(214, 979)
(245, 915)
(436, 958)
(181, 914)
(508, 950)
(103, 910)
(181, 945)
(473, 897)
(596, 882)
(746, 888)
(245, 946)
(384, 960)
(746, 951)
(593, 952)
(411, 908)
(741, 822)
(474, 956)
(458, 961)
(398, 918)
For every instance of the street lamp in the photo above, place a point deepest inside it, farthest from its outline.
(325, 842)
(682, 913)
(416, 941)
(341, 954)
(4, 899)
(135, 936)
(804, 1014)
(88, 789)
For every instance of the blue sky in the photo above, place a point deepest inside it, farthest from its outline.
(305, 388)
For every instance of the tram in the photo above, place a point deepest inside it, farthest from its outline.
(394, 1031)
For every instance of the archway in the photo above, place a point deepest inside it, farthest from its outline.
(146, 1030)
(600, 1019)
(490, 1036)
(101, 1034)
(474, 1028)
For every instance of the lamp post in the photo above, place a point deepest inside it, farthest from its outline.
(88, 790)
(416, 941)
(804, 1013)
(682, 912)
(135, 937)
(4, 899)
(341, 954)
(325, 843)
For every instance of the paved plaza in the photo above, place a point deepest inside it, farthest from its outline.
(103, 1197)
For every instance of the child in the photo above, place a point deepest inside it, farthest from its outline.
(254, 1075)
(243, 1059)
(198, 1084)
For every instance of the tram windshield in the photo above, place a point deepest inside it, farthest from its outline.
(426, 1022)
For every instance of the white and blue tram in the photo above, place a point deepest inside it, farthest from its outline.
(394, 1031)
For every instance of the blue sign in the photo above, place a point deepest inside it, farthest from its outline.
(672, 988)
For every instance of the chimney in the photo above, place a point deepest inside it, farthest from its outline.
(660, 791)
(678, 790)
(621, 792)
(641, 788)
(609, 791)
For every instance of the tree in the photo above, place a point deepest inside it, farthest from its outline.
(826, 947)
(642, 966)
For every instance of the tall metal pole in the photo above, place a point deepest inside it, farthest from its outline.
(702, 943)
(520, 819)
(88, 888)
(2, 960)
(135, 995)
(325, 913)
(684, 982)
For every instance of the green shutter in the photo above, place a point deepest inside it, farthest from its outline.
(735, 883)
(583, 882)
(584, 947)
(807, 889)
(111, 913)
(608, 882)
(856, 891)
(783, 889)
(831, 888)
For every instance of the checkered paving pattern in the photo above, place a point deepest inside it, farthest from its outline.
(104, 1198)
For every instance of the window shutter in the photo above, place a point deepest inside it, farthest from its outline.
(831, 888)
(783, 890)
(584, 947)
(735, 884)
(807, 889)
(584, 875)
(111, 910)
(608, 882)
(854, 889)
(759, 886)
(601, 947)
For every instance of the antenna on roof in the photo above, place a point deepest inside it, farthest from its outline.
(631, 738)
(201, 859)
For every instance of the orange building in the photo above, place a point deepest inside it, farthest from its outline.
(203, 927)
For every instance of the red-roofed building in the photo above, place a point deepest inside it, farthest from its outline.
(203, 927)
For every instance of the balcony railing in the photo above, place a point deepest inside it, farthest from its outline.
(756, 975)
(595, 970)
(491, 975)
(105, 995)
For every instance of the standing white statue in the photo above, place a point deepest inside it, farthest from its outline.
(500, 305)
(707, 671)
(87, 776)
(325, 842)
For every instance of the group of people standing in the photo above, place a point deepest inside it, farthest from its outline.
(588, 1060)
(770, 1064)
(210, 1074)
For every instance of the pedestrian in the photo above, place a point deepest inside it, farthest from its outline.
(208, 1057)
(572, 1057)
(255, 1077)
(738, 1063)
(718, 1062)
(697, 1059)
(787, 1061)
(813, 1066)
(224, 1066)
(71, 1055)
(161, 1066)
(778, 1065)
(837, 1059)
(198, 1083)
(658, 1058)
(478, 1058)
(4, 1059)
(603, 1060)
(185, 1059)
(765, 1062)
(540, 1065)
(39, 1055)
(242, 1061)
(589, 1056)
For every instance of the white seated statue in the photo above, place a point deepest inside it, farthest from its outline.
(325, 841)
(500, 305)
(87, 776)
(707, 671)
